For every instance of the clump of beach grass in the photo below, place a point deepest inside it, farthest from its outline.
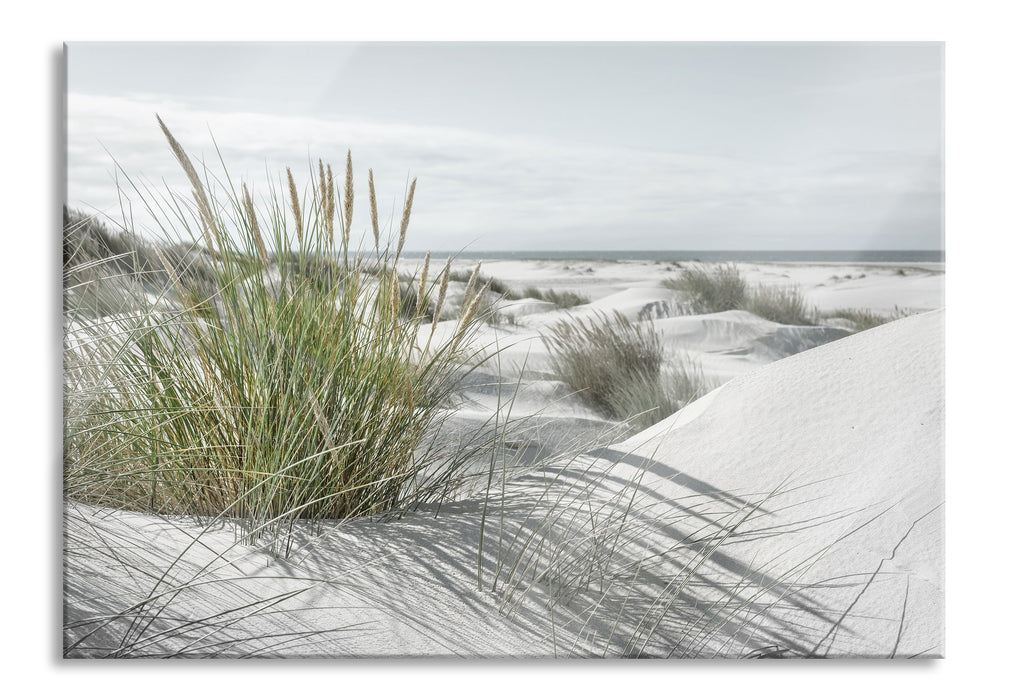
(292, 386)
(563, 300)
(781, 304)
(492, 284)
(107, 269)
(617, 367)
(723, 288)
(864, 319)
(720, 289)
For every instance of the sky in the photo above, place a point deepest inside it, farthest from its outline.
(566, 146)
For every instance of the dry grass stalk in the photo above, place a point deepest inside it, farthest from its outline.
(295, 208)
(250, 212)
(320, 417)
(208, 231)
(170, 269)
(394, 296)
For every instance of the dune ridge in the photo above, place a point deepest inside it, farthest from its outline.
(797, 511)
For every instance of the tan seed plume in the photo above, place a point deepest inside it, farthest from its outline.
(395, 294)
(199, 193)
(423, 282)
(471, 284)
(205, 221)
(250, 212)
(323, 197)
(330, 213)
(469, 315)
(442, 291)
(187, 165)
(295, 208)
(405, 221)
(374, 209)
(348, 200)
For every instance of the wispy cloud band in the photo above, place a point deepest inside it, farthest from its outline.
(490, 192)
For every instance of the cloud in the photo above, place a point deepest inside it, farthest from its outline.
(492, 191)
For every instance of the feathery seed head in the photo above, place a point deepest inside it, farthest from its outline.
(471, 284)
(423, 281)
(405, 221)
(323, 197)
(250, 213)
(199, 192)
(295, 207)
(207, 222)
(407, 206)
(374, 208)
(442, 291)
(348, 199)
(395, 294)
(469, 315)
(330, 212)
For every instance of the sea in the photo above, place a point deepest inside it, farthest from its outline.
(800, 256)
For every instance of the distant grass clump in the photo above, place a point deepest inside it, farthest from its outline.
(292, 385)
(709, 292)
(492, 284)
(563, 300)
(106, 270)
(864, 319)
(617, 368)
(724, 289)
(785, 305)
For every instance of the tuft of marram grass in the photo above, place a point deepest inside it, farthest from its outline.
(563, 300)
(864, 319)
(269, 402)
(781, 304)
(720, 289)
(616, 366)
(723, 288)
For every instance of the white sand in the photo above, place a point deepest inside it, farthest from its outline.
(818, 475)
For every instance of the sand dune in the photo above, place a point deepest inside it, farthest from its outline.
(796, 510)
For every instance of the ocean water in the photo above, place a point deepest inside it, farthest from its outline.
(831, 256)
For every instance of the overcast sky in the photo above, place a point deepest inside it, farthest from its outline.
(545, 146)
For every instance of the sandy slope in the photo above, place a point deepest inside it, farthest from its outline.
(795, 510)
